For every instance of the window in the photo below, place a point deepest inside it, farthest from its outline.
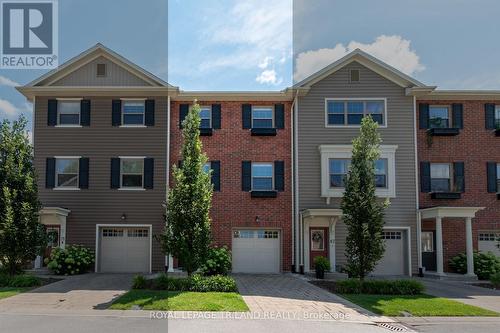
(381, 173)
(206, 117)
(440, 177)
(111, 232)
(489, 237)
(243, 234)
(133, 112)
(132, 172)
(391, 235)
(351, 112)
(101, 69)
(139, 233)
(68, 112)
(497, 116)
(267, 234)
(439, 117)
(262, 176)
(262, 117)
(354, 75)
(338, 172)
(67, 172)
(427, 241)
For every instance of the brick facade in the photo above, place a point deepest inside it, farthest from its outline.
(231, 207)
(475, 146)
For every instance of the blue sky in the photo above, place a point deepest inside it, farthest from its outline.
(252, 44)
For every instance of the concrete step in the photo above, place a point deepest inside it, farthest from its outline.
(451, 277)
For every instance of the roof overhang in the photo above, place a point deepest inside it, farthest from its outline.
(461, 94)
(277, 96)
(321, 212)
(451, 212)
(55, 211)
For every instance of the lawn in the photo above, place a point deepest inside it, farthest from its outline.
(179, 301)
(416, 305)
(8, 291)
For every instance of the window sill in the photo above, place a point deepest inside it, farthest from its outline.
(206, 132)
(263, 131)
(264, 194)
(446, 195)
(131, 189)
(443, 131)
(68, 126)
(132, 126)
(66, 189)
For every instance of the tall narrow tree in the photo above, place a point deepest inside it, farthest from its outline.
(362, 212)
(21, 234)
(187, 232)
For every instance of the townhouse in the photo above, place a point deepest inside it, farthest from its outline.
(106, 134)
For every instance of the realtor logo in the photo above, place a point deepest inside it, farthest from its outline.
(29, 34)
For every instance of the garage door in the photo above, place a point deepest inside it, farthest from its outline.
(256, 251)
(393, 261)
(488, 241)
(124, 250)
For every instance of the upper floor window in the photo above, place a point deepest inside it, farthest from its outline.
(132, 172)
(439, 116)
(133, 112)
(101, 69)
(262, 177)
(206, 117)
(339, 168)
(262, 117)
(497, 116)
(67, 172)
(354, 76)
(68, 112)
(440, 177)
(350, 112)
(206, 167)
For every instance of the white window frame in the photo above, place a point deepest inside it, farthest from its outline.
(261, 107)
(328, 152)
(272, 175)
(209, 108)
(133, 100)
(497, 112)
(67, 188)
(131, 188)
(58, 124)
(355, 99)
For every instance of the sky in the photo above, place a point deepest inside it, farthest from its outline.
(268, 45)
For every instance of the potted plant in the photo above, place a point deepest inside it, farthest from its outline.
(321, 264)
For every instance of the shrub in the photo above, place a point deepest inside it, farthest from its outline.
(485, 264)
(139, 282)
(218, 261)
(322, 263)
(4, 280)
(163, 282)
(216, 283)
(379, 287)
(74, 259)
(495, 279)
(19, 281)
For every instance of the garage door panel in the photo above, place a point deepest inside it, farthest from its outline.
(256, 251)
(393, 261)
(488, 242)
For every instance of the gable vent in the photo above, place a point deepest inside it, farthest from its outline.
(354, 75)
(101, 69)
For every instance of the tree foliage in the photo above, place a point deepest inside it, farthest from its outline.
(21, 234)
(362, 212)
(187, 232)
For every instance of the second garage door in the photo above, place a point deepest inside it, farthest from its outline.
(256, 251)
(393, 261)
(124, 250)
(488, 242)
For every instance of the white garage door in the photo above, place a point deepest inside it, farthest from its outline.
(488, 241)
(393, 261)
(256, 251)
(124, 250)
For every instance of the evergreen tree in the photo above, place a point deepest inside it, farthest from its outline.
(362, 212)
(21, 234)
(187, 232)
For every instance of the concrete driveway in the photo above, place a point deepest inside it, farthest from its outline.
(75, 293)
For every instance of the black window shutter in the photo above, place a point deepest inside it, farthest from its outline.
(115, 172)
(179, 164)
(50, 172)
(216, 120)
(246, 176)
(459, 176)
(425, 177)
(149, 114)
(52, 112)
(116, 115)
(489, 116)
(458, 115)
(424, 115)
(83, 177)
(279, 114)
(246, 110)
(215, 166)
(491, 170)
(183, 111)
(279, 176)
(149, 163)
(85, 112)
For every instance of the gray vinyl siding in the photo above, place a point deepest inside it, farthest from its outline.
(100, 142)
(87, 76)
(400, 131)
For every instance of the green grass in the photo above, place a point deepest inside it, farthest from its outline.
(417, 305)
(8, 291)
(179, 301)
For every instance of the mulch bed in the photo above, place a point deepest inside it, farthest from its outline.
(485, 285)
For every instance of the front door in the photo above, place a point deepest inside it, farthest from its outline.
(53, 235)
(428, 250)
(318, 240)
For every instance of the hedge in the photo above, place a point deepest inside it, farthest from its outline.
(379, 287)
(19, 281)
(216, 283)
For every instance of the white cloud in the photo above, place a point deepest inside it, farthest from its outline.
(394, 50)
(268, 76)
(9, 110)
(5, 81)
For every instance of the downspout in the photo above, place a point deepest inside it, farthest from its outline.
(417, 192)
(169, 260)
(295, 184)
